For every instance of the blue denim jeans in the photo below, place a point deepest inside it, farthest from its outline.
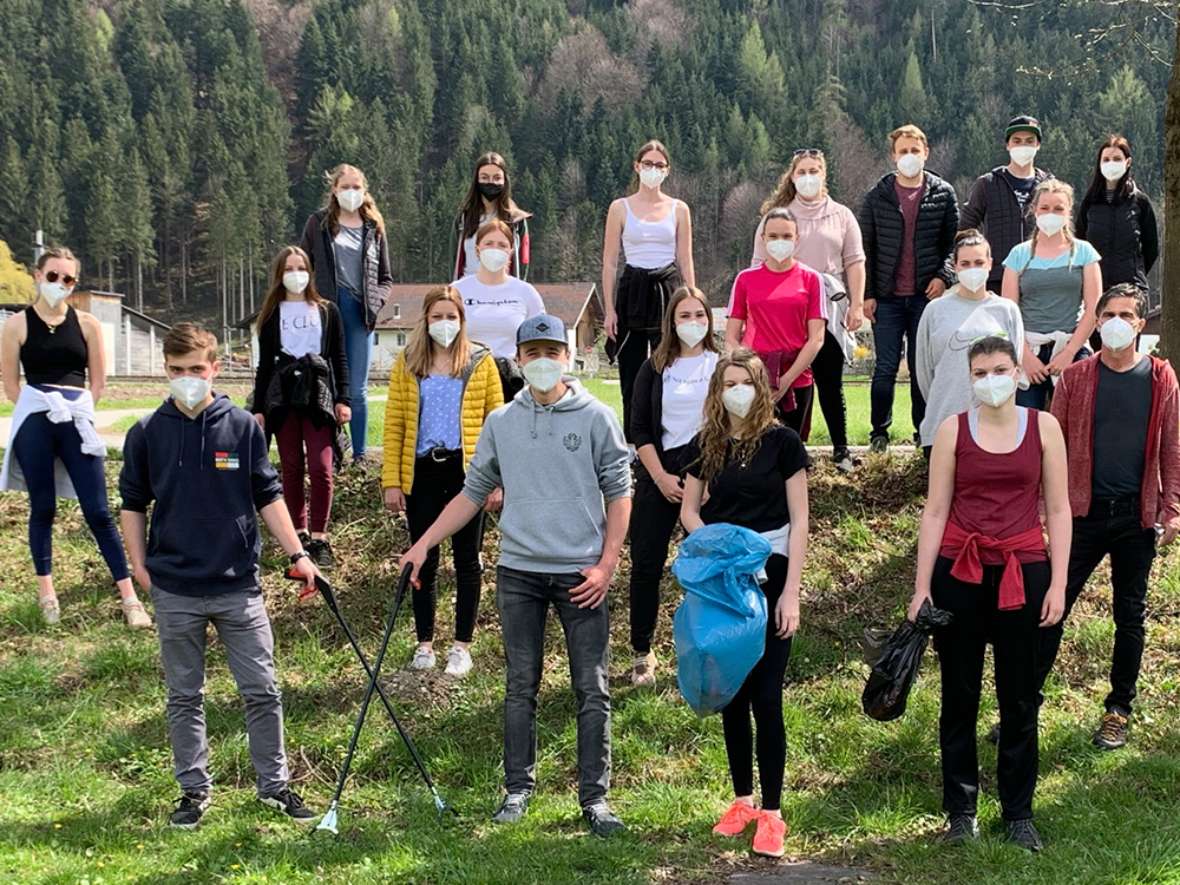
(896, 319)
(358, 347)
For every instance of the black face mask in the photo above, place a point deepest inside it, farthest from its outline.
(489, 190)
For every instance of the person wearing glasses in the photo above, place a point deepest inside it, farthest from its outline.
(655, 231)
(54, 450)
(829, 242)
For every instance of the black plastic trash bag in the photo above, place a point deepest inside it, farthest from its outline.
(896, 666)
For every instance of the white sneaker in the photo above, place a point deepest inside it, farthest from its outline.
(458, 662)
(423, 659)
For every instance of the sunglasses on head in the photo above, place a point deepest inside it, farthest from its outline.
(808, 152)
(53, 276)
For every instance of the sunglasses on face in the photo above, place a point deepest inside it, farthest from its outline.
(52, 276)
(808, 152)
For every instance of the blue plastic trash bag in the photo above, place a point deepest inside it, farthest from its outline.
(720, 625)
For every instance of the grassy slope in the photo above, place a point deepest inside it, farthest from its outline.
(85, 771)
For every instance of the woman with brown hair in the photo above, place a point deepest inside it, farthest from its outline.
(755, 472)
(442, 388)
(490, 198)
(666, 412)
(301, 391)
(346, 243)
(829, 242)
(655, 232)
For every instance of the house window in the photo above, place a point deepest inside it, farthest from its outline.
(397, 311)
(400, 339)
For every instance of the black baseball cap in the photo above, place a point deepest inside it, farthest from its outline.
(1024, 123)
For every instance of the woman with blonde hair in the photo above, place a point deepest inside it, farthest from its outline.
(666, 411)
(655, 233)
(301, 391)
(346, 242)
(1056, 279)
(755, 472)
(829, 242)
(442, 388)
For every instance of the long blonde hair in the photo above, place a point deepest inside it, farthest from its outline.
(1052, 186)
(277, 293)
(368, 210)
(717, 445)
(785, 193)
(419, 350)
(669, 347)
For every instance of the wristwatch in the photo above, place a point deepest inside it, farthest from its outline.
(295, 557)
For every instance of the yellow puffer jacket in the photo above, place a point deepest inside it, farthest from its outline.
(481, 395)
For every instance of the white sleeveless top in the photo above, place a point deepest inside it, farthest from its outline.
(649, 244)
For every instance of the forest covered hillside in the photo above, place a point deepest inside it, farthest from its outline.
(177, 143)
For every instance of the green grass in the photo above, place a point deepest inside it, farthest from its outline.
(85, 772)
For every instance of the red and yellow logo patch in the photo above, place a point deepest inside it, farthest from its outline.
(225, 460)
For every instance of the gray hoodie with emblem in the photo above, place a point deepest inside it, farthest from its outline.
(559, 465)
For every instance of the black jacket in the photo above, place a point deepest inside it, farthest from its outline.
(208, 477)
(1124, 233)
(993, 209)
(882, 226)
(647, 418)
(317, 243)
(272, 360)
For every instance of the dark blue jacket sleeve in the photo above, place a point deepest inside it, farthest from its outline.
(135, 486)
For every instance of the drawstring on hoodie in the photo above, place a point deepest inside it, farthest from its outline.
(180, 457)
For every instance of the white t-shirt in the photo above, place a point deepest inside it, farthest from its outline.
(686, 382)
(494, 313)
(299, 328)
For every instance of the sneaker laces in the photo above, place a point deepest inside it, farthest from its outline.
(289, 798)
(1112, 727)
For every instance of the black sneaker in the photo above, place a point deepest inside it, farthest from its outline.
(291, 804)
(189, 809)
(320, 552)
(1112, 732)
(602, 820)
(1024, 834)
(304, 539)
(962, 828)
(844, 461)
(879, 444)
(511, 809)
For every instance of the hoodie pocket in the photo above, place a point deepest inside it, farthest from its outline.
(551, 530)
(205, 548)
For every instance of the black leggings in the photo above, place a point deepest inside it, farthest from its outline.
(653, 522)
(435, 484)
(762, 693)
(634, 347)
(828, 369)
(797, 417)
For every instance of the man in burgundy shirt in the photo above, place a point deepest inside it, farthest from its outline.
(908, 220)
(1120, 413)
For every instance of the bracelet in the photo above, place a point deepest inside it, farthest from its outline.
(302, 554)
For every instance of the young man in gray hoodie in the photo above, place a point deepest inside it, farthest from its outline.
(560, 457)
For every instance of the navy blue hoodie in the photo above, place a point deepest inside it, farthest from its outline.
(208, 477)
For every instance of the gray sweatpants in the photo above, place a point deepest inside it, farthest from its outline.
(244, 629)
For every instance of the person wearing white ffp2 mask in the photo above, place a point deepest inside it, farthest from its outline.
(667, 411)
(1122, 426)
(755, 471)
(1055, 278)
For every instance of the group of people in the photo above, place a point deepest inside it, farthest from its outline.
(482, 417)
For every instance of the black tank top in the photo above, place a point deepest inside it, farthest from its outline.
(54, 354)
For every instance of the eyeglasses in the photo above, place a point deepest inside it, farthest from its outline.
(53, 276)
(649, 165)
(808, 152)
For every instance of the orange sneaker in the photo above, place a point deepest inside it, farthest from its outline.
(768, 838)
(736, 818)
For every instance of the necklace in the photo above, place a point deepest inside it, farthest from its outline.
(52, 327)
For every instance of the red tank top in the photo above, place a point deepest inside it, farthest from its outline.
(997, 495)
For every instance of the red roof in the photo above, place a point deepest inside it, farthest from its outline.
(567, 301)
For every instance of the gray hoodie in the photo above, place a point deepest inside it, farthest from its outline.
(556, 464)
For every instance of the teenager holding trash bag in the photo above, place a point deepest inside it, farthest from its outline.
(982, 557)
(666, 413)
(559, 455)
(441, 391)
(754, 470)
